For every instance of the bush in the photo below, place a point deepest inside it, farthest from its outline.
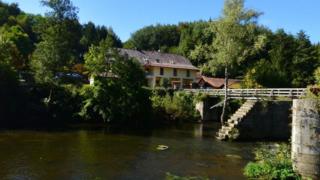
(317, 76)
(176, 106)
(271, 163)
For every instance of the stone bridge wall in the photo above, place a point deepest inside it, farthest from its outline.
(268, 120)
(306, 138)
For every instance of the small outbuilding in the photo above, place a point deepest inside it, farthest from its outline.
(218, 83)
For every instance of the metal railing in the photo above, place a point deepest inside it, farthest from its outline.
(253, 93)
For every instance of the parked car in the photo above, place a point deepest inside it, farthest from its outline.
(71, 77)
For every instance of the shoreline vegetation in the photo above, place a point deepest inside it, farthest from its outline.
(45, 63)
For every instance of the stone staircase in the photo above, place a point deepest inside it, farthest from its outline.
(229, 130)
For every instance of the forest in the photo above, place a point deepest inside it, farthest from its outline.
(45, 62)
(291, 59)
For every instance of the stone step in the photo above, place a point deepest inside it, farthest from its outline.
(242, 110)
(236, 123)
(222, 135)
(235, 119)
(220, 138)
(240, 114)
(228, 128)
(247, 105)
(223, 131)
(232, 125)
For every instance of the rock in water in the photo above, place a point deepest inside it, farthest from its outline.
(162, 147)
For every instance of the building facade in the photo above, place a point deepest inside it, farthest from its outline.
(163, 69)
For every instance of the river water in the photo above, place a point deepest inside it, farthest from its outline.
(98, 154)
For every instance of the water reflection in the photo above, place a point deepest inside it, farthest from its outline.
(98, 155)
(198, 131)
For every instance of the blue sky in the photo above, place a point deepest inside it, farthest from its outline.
(127, 16)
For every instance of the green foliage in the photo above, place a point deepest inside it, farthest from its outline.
(271, 163)
(21, 45)
(317, 76)
(164, 82)
(58, 49)
(270, 77)
(117, 95)
(250, 79)
(99, 58)
(92, 35)
(304, 61)
(194, 40)
(183, 39)
(154, 38)
(176, 106)
(8, 75)
(235, 38)
(8, 10)
(290, 61)
(61, 9)
(9, 94)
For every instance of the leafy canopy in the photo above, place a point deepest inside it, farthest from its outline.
(117, 93)
(60, 41)
(234, 36)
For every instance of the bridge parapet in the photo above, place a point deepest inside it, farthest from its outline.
(253, 93)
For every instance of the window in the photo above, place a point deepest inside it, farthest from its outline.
(175, 72)
(161, 71)
(148, 71)
(188, 73)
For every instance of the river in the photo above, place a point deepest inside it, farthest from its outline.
(99, 154)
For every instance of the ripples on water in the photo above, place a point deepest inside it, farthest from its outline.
(96, 154)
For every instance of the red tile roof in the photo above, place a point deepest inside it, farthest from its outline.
(218, 82)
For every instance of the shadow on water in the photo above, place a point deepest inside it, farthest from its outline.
(98, 153)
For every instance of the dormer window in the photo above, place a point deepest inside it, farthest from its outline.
(158, 60)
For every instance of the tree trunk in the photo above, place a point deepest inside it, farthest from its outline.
(225, 95)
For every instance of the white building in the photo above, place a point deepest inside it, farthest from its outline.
(177, 71)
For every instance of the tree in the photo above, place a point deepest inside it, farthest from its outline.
(304, 61)
(117, 94)
(61, 9)
(234, 40)
(316, 75)
(7, 11)
(92, 35)
(21, 44)
(290, 60)
(98, 60)
(59, 48)
(8, 82)
(159, 37)
(318, 50)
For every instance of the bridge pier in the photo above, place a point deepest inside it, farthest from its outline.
(207, 114)
(306, 138)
